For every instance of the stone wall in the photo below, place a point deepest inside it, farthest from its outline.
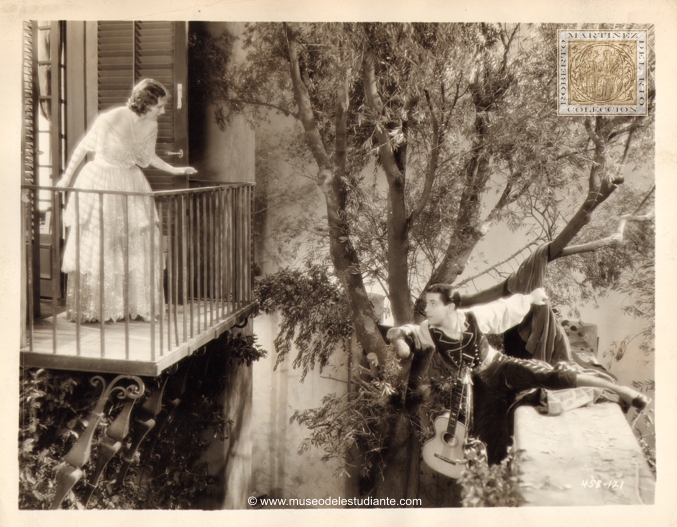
(585, 456)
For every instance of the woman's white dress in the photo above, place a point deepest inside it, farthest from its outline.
(101, 221)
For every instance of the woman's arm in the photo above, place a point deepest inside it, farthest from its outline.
(166, 167)
(149, 157)
(505, 313)
(88, 144)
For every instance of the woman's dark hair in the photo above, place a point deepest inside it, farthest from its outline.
(447, 294)
(145, 95)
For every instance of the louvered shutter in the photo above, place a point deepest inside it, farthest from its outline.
(131, 51)
(29, 161)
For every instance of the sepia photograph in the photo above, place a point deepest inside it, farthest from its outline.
(304, 267)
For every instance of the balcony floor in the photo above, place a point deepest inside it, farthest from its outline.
(139, 361)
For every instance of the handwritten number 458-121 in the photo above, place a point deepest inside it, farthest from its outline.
(597, 483)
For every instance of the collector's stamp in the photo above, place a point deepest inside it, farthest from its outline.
(602, 72)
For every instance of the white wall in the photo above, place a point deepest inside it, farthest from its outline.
(221, 155)
(278, 470)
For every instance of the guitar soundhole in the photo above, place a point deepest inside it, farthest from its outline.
(449, 439)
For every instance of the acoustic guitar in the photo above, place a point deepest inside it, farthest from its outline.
(444, 452)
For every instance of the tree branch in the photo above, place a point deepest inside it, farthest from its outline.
(305, 109)
(496, 265)
(615, 239)
(432, 163)
(398, 225)
(575, 153)
(457, 96)
(506, 45)
(255, 102)
(342, 103)
(621, 131)
(648, 195)
(505, 199)
(374, 102)
(370, 89)
(344, 257)
(401, 151)
(628, 141)
(591, 133)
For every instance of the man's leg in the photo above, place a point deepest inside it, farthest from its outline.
(521, 374)
(630, 396)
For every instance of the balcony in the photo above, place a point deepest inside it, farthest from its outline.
(205, 247)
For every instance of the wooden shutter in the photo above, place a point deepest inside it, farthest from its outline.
(131, 51)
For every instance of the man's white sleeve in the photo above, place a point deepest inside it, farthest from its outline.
(502, 314)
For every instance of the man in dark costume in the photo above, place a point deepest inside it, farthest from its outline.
(457, 334)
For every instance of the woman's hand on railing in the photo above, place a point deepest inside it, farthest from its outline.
(185, 171)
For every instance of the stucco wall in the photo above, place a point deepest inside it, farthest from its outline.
(230, 461)
(227, 156)
(220, 155)
(278, 470)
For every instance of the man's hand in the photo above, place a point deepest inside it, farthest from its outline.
(539, 296)
(402, 348)
(397, 337)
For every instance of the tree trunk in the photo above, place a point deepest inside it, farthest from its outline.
(600, 186)
(402, 448)
(342, 252)
(398, 254)
(398, 224)
(400, 474)
(466, 231)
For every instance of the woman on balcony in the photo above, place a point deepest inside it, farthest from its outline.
(125, 226)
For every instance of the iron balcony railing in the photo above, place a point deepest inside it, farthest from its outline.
(205, 248)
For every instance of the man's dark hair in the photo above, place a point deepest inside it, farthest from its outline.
(447, 294)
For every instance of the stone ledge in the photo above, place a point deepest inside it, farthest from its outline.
(586, 456)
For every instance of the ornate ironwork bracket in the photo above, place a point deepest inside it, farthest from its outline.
(163, 419)
(144, 423)
(242, 324)
(71, 471)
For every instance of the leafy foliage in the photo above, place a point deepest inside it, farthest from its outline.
(491, 486)
(52, 406)
(532, 159)
(649, 454)
(351, 428)
(461, 121)
(626, 267)
(168, 472)
(314, 314)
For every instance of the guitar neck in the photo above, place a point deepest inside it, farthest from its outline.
(454, 410)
